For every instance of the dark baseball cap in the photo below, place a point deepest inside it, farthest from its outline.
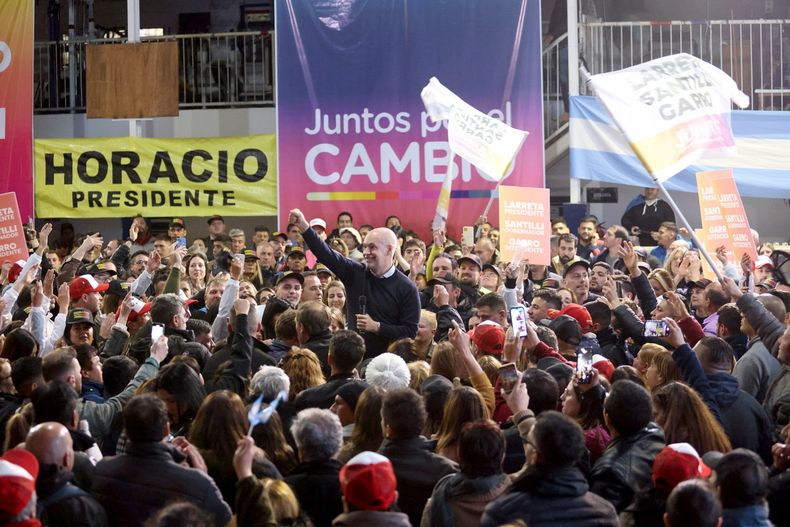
(296, 250)
(290, 274)
(494, 268)
(444, 280)
(567, 329)
(471, 258)
(583, 263)
(118, 288)
(215, 217)
(702, 283)
(79, 315)
(250, 254)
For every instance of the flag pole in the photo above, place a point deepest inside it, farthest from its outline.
(494, 193)
(688, 227)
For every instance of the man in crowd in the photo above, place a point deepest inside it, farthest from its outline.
(577, 279)
(312, 290)
(382, 302)
(417, 469)
(613, 239)
(216, 227)
(312, 328)
(552, 489)
(266, 262)
(289, 287)
(666, 234)
(177, 229)
(133, 486)
(625, 468)
(587, 248)
(566, 254)
(60, 502)
(645, 214)
(346, 350)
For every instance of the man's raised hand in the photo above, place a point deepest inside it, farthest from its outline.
(297, 218)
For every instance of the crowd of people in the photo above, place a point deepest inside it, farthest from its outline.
(408, 381)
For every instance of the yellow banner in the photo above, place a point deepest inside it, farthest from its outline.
(124, 176)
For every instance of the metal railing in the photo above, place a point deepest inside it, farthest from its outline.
(215, 70)
(555, 88)
(755, 53)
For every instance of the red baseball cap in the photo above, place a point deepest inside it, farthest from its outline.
(18, 473)
(489, 337)
(676, 463)
(84, 285)
(576, 311)
(603, 365)
(368, 482)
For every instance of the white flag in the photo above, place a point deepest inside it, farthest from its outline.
(487, 143)
(673, 111)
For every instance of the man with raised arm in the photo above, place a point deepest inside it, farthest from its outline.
(383, 305)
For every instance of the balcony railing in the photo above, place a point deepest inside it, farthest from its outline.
(215, 70)
(756, 53)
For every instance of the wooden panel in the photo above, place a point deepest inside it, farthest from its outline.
(127, 81)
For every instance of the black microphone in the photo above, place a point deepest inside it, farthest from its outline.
(363, 308)
(363, 305)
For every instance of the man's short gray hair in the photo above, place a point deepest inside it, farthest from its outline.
(318, 434)
(269, 381)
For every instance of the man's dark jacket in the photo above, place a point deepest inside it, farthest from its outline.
(323, 395)
(626, 466)
(61, 504)
(417, 470)
(316, 485)
(550, 497)
(132, 487)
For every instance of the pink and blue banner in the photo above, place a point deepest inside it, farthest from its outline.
(16, 102)
(353, 134)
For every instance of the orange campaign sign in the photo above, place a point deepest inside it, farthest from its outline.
(702, 236)
(13, 246)
(724, 219)
(525, 227)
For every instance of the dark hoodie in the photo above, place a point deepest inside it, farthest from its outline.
(612, 348)
(550, 497)
(738, 343)
(743, 418)
(62, 504)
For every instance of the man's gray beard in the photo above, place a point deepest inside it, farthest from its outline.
(565, 259)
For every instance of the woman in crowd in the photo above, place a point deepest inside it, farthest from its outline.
(661, 281)
(180, 389)
(584, 404)
(220, 423)
(685, 418)
(270, 438)
(197, 266)
(673, 265)
(303, 368)
(644, 358)
(445, 361)
(566, 295)
(335, 295)
(420, 370)
(662, 370)
(367, 433)
(464, 405)
(459, 499)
